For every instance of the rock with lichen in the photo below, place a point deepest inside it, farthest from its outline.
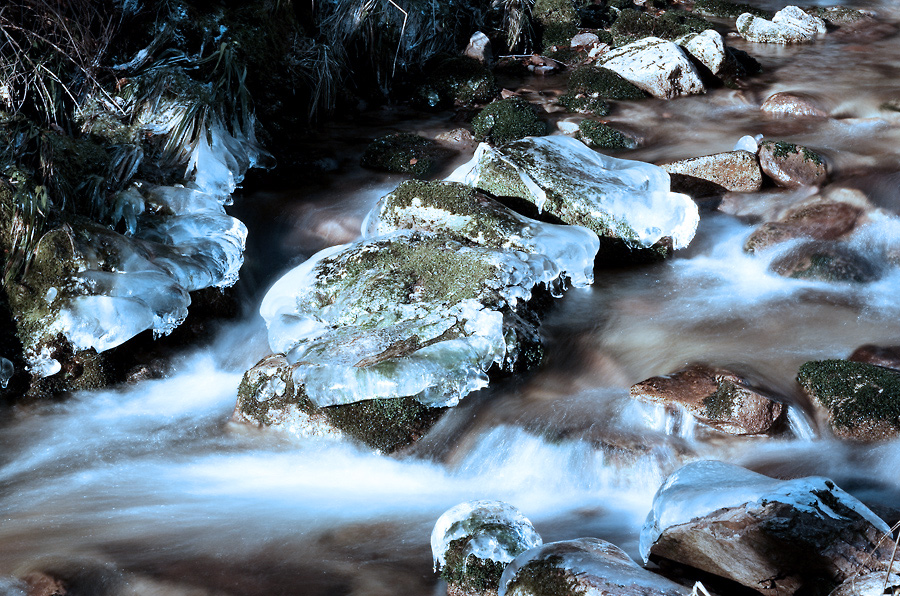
(624, 201)
(464, 213)
(507, 120)
(717, 397)
(473, 542)
(791, 165)
(584, 567)
(861, 401)
(404, 153)
(657, 66)
(460, 80)
(789, 25)
(598, 135)
(590, 86)
(779, 536)
(732, 170)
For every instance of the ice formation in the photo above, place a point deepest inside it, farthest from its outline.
(406, 314)
(601, 568)
(7, 369)
(615, 197)
(495, 530)
(461, 211)
(700, 488)
(179, 239)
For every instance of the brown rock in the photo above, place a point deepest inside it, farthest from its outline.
(869, 584)
(793, 105)
(888, 357)
(818, 221)
(826, 261)
(792, 165)
(732, 170)
(715, 396)
(43, 584)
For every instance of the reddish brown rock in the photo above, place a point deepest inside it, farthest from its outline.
(817, 221)
(716, 397)
(888, 357)
(826, 261)
(790, 165)
(793, 105)
(732, 170)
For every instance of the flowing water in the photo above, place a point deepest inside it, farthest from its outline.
(148, 489)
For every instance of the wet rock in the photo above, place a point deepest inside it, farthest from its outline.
(791, 165)
(861, 401)
(816, 221)
(886, 356)
(726, 9)
(623, 200)
(473, 542)
(507, 120)
(589, 87)
(458, 137)
(840, 15)
(773, 536)
(404, 153)
(587, 566)
(707, 47)
(789, 25)
(659, 67)
(732, 170)
(479, 48)
(826, 261)
(585, 39)
(793, 105)
(461, 80)
(597, 135)
(717, 397)
(461, 212)
(876, 583)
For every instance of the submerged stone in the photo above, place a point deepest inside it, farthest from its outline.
(816, 221)
(474, 541)
(826, 261)
(507, 120)
(403, 153)
(862, 400)
(583, 567)
(624, 200)
(773, 536)
(659, 67)
(409, 314)
(462, 212)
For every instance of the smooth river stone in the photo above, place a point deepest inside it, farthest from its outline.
(791, 165)
(732, 170)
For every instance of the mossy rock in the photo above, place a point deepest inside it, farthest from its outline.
(589, 85)
(828, 262)
(632, 25)
(507, 120)
(598, 16)
(460, 80)
(558, 35)
(862, 400)
(597, 135)
(403, 153)
(471, 574)
(268, 396)
(552, 12)
(546, 577)
(726, 9)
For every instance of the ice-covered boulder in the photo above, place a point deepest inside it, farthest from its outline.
(659, 67)
(774, 536)
(585, 566)
(462, 212)
(473, 542)
(629, 201)
(789, 25)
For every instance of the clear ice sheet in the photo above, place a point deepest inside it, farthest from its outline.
(601, 566)
(489, 223)
(335, 329)
(633, 192)
(497, 531)
(699, 488)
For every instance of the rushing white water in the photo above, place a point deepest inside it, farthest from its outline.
(148, 489)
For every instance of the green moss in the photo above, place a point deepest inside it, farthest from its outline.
(726, 9)
(550, 12)
(584, 105)
(836, 15)
(473, 574)
(404, 153)
(854, 392)
(596, 81)
(720, 405)
(632, 25)
(545, 577)
(558, 35)
(507, 120)
(782, 150)
(600, 136)
(459, 80)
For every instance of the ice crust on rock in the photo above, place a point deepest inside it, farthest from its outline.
(614, 197)
(495, 530)
(463, 212)
(406, 314)
(703, 487)
(599, 566)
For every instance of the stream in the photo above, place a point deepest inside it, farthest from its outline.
(148, 489)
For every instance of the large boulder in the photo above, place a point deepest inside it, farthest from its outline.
(732, 170)
(659, 67)
(789, 25)
(584, 566)
(791, 165)
(624, 200)
(463, 212)
(707, 47)
(820, 220)
(773, 536)
(473, 542)
(716, 397)
(861, 401)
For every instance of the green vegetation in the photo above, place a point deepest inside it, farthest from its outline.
(473, 574)
(600, 136)
(855, 393)
(403, 153)
(632, 25)
(783, 150)
(588, 86)
(460, 80)
(726, 9)
(507, 120)
(545, 577)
